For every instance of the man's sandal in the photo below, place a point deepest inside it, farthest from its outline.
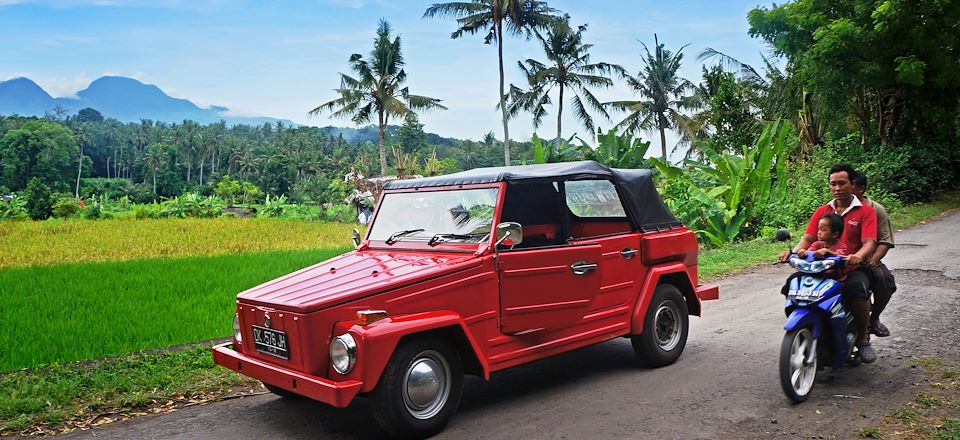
(877, 328)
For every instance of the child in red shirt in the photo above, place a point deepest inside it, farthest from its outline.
(829, 230)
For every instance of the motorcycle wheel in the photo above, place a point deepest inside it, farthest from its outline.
(796, 375)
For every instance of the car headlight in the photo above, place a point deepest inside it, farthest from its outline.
(236, 329)
(343, 353)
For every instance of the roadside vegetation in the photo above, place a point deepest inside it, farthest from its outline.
(934, 412)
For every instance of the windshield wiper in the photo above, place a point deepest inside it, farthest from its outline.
(440, 238)
(397, 235)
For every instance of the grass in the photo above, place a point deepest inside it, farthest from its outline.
(88, 310)
(59, 398)
(77, 241)
(934, 412)
(868, 432)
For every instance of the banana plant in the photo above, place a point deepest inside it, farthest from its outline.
(544, 152)
(617, 150)
(729, 190)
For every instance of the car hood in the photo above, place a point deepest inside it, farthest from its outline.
(351, 276)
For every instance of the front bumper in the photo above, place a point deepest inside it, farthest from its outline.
(708, 292)
(338, 394)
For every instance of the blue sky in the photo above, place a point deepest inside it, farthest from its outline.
(282, 58)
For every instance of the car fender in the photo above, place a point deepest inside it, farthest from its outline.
(377, 341)
(679, 276)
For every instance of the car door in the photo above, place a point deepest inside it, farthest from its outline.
(549, 287)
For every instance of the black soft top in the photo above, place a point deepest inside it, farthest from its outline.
(636, 188)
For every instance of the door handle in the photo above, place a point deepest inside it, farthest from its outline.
(583, 267)
(628, 253)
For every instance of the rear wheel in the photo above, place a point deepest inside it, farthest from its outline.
(798, 364)
(419, 389)
(665, 328)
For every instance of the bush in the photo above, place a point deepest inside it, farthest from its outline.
(273, 207)
(149, 210)
(65, 207)
(340, 213)
(39, 200)
(93, 211)
(14, 209)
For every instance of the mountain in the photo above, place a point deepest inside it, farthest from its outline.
(121, 98)
(25, 97)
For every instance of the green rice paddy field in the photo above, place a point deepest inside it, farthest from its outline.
(74, 290)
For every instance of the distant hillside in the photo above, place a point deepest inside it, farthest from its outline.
(117, 97)
(369, 133)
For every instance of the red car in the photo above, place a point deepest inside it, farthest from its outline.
(474, 273)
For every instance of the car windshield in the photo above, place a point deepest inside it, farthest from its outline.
(461, 216)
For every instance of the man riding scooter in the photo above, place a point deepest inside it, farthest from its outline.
(882, 283)
(860, 238)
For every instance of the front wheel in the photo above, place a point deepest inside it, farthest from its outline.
(665, 328)
(419, 389)
(798, 364)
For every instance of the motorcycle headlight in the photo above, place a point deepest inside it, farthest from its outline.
(236, 329)
(343, 353)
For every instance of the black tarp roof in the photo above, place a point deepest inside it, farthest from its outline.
(635, 186)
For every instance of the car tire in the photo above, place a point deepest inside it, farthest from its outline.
(281, 392)
(420, 388)
(665, 328)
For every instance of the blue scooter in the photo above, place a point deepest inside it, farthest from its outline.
(820, 331)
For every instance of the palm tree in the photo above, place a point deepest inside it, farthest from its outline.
(517, 17)
(568, 67)
(663, 93)
(82, 137)
(155, 155)
(378, 88)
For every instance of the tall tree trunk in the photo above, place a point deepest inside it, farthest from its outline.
(663, 138)
(383, 148)
(76, 193)
(202, 160)
(154, 180)
(503, 105)
(559, 114)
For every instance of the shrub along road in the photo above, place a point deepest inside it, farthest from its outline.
(725, 385)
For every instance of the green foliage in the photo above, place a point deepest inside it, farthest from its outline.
(65, 207)
(887, 66)
(377, 92)
(547, 152)
(14, 209)
(148, 210)
(39, 200)
(340, 213)
(41, 149)
(274, 207)
(617, 151)
(720, 198)
(193, 205)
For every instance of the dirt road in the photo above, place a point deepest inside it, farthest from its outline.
(724, 386)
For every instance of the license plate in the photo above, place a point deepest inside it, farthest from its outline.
(271, 342)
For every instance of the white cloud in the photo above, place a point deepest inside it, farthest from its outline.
(64, 86)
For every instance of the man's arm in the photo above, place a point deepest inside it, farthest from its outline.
(879, 253)
(868, 246)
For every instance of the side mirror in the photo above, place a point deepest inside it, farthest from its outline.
(356, 238)
(509, 233)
